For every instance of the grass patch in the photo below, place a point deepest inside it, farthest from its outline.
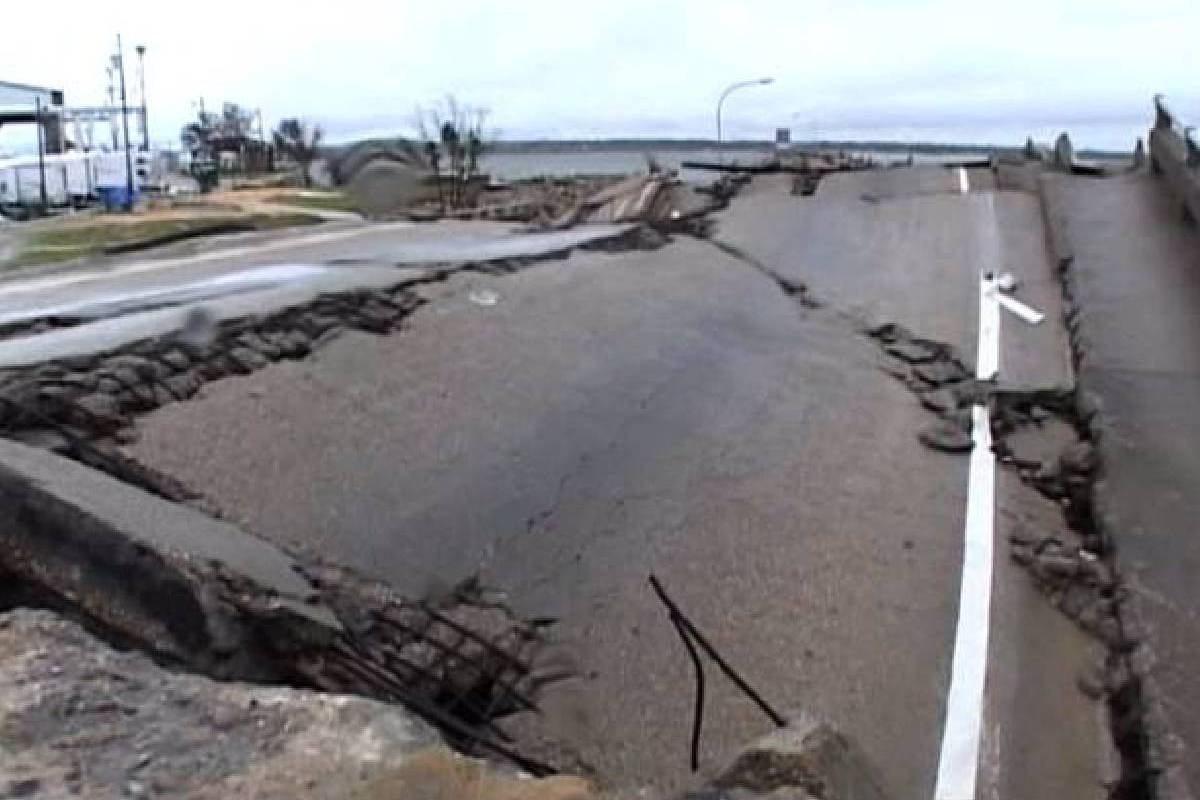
(63, 243)
(331, 201)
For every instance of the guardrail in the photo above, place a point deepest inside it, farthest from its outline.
(1175, 156)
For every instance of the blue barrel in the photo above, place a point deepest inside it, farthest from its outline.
(115, 197)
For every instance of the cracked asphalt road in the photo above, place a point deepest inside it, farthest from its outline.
(673, 411)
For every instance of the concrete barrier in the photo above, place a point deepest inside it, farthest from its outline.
(1175, 157)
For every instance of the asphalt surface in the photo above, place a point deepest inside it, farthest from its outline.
(914, 258)
(221, 266)
(675, 412)
(161, 313)
(1137, 270)
(613, 416)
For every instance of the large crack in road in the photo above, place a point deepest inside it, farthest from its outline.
(437, 446)
(605, 416)
(1078, 573)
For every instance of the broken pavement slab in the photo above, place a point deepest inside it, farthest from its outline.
(181, 735)
(168, 317)
(196, 593)
(807, 758)
(147, 570)
(78, 718)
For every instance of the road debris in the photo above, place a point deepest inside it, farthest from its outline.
(692, 637)
(198, 593)
(805, 758)
(484, 297)
(84, 719)
(948, 437)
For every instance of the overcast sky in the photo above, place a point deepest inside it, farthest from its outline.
(937, 70)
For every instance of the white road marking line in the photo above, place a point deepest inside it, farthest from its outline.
(58, 281)
(987, 357)
(1030, 315)
(958, 762)
(964, 183)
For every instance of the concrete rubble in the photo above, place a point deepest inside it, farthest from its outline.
(387, 184)
(1174, 155)
(657, 198)
(196, 593)
(807, 759)
(80, 719)
(93, 396)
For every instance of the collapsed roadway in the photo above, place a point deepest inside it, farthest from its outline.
(771, 417)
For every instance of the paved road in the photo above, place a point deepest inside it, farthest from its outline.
(675, 412)
(914, 258)
(235, 264)
(610, 417)
(1137, 267)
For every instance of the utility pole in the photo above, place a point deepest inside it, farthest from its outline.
(37, 104)
(141, 51)
(119, 63)
(112, 101)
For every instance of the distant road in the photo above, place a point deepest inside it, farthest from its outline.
(93, 291)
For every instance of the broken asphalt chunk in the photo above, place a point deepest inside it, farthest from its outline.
(937, 373)
(889, 332)
(946, 437)
(940, 401)
(1079, 459)
(912, 352)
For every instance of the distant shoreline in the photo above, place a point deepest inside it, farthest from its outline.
(515, 146)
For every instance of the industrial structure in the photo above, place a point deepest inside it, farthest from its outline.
(72, 167)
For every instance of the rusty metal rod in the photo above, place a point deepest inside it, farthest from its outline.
(446, 721)
(698, 709)
(508, 688)
(729, 671)
(470, 634)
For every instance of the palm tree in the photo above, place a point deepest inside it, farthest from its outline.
(299, 141)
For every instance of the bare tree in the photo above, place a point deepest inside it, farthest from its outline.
(299, 141)
(454, 139)
(236, 122)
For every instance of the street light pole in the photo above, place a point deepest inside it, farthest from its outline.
(732, 88)
(141, 51)
(119, 62)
